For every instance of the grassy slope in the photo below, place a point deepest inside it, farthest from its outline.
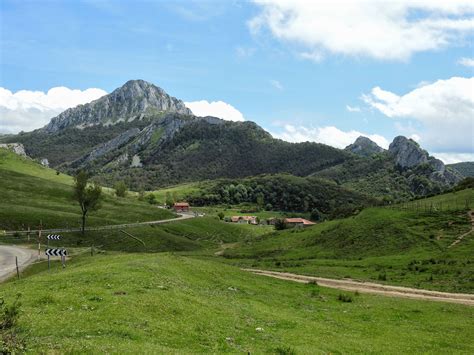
(31, 193)
(406, 247)
(164, 303)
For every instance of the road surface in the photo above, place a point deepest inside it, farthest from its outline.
(100, 228)
(368, 287)
(7, 259)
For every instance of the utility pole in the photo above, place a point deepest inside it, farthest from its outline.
(39, 240)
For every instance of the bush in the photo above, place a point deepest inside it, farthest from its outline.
(382, 276)
(151, 199)
(120, 189)
(285, 350)
(221, 215)
(280, 224)
(344, 298)
(9, 341)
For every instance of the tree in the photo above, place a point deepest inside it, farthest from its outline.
(87, 195)
(151, 199)
(120, 189)
(221, 215)
(316, 215)
(169, 199)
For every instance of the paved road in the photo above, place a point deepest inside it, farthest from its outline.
(7, 259)
(109, 227)
(369, 287)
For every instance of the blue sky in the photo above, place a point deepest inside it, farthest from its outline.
(295, 77)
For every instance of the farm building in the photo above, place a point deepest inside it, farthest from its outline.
(181, 207)
(298, 222)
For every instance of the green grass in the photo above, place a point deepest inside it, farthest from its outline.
(204, 234)
(31, 193)
(403, 247)
(164, 303)
(178, 191)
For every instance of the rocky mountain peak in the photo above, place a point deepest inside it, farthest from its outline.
(407, 152)
(135, 98)
(364, 146)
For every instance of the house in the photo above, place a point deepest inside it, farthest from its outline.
(181, 207)
(298, 222)
(244, 219)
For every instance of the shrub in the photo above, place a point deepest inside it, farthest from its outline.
(151, 199)
(344, 298)
(120, 189)
(221, 215)
(10, 343)
(280, 224)
(382, 276)
(285, 350)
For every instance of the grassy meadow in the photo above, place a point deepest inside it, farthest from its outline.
(395, 246)
(166, 303)
(32, 193)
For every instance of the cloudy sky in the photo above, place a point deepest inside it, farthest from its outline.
(304, 70)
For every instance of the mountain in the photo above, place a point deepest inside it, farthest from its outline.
(149, 139)
(466, 169)
(402, 172)
(135, 98)
(365, 147)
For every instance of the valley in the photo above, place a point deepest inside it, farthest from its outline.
(386, 251)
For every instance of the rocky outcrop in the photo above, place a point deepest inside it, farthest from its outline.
(134, 99)
(365, 147)
(107, 147)
(16, 148)
(408, 154)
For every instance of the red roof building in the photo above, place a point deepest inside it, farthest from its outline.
(301, 222)
(181, 207)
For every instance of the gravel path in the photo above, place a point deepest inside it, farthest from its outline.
(373, 288)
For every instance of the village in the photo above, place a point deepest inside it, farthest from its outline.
(290, 222)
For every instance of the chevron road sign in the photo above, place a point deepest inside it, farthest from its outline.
(53, 237)
(56, 252)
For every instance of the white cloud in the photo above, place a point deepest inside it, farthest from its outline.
(276, 84)
(467, 62)
(352, 108)
(393, 30)
(329, 135)
(445, 109)
(26, 110)
(451, 158)
(219, 109)
(244, 52)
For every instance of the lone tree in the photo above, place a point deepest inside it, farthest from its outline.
(87, 195)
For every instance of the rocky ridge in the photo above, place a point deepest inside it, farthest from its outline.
(134, 99)
(365, 147)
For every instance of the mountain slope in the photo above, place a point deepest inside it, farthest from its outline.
(466, 169)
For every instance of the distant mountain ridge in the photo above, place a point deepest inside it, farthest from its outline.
(149, 139)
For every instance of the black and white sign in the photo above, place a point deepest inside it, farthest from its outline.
(53, 237)
(56, 252)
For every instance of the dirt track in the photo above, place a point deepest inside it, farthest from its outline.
(373, 288)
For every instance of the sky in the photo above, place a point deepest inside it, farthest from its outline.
(303, 70)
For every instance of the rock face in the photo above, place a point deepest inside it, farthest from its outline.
(16, 148)
(363, 146)
(133, 99)
(408, 154)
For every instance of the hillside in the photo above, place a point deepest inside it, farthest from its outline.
(32, 193)
(466, 169)
(407, 244)
(170, 304)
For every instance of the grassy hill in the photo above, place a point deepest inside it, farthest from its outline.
(169, 304)
(400, 245)
(32, 193)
